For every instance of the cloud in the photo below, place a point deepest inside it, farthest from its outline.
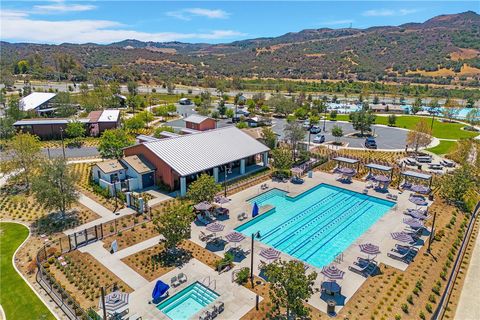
(388, 12)
(337, 22)
(60, 7)
(188, 14)
(18, 26)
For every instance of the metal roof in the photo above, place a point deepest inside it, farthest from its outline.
(168, 134)
(195, 118)
(110, 166)
(46, 121)
(146, 138)
(189, 154)
(35, 99)
(189, 131)
(346, 160)
(378, 167)
(418, 175)
(138, 163)
(110, 115)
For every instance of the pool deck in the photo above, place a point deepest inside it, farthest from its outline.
(378, 234)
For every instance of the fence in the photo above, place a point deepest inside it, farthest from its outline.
(69, 243)
(443, 303)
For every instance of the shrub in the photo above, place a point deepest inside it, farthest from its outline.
(428, 307)
(242, 275)
(398, 317)
(422, 315)
(410, 299)
(436, 290)
(405, 308)
(431, 298)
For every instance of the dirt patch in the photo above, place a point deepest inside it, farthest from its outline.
(125, 239)
(462, 54)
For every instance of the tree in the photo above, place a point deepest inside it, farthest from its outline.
(282, 159)
(362, 120)
(24, 152)
(392, 120)
(473, 116)
(456, 184)
(229, 113)
(294, 133)
(333, 114)
(470, 103)
(14, 110)
(54, 187)
(337, 132)
(112, 142)
(222, 108)
(75, 129)
(132, 88)
(420, 136)
(269, 137)
(450, 109)
(203, 189)
(175, 225)
(290, 287)
(281, 104)
(417, 106)
(134, 123)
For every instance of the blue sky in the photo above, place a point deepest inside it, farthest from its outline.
(200, 21)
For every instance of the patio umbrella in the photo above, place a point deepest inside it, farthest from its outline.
(202, 206)
(419, 201)
(332, 272)
(115, 301)
(414, 223)
(255, 210)
(381, 178)
(270, 254)
(160, 289)
(347, 171)
(296, 170)
(419, 188)
(402, 236)
(215, 227)
(235, 237)
(369, 249)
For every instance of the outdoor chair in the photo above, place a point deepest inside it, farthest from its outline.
(182, 277)
(369, 185)
(365, 191)
(403, 255)
(205, 316)
(363, 267)
(204, 237)
(213, 312)
(220, 306)
(242, 216)
(174, 281)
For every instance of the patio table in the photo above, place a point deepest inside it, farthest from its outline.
(331, 287)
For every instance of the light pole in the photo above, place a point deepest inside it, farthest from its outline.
(324, 119)
(225, 180)
(63, 145)
(254, 235)
(430, 239)
(433, 119)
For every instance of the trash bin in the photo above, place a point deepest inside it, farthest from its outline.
(310, 173)
(419, 167)
(331, 307)
(430, 197)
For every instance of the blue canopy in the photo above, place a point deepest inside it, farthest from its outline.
(255, 210)
(159, 290)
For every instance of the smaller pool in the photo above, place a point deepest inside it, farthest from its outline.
(187, 302)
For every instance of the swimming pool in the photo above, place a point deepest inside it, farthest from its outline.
(316, 225)
(188, 302)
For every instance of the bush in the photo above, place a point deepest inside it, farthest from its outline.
(422, 315)
(410, 299)
(428, 307)
(405, 308)
(242, 275)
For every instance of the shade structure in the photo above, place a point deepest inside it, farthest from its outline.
(255, 210)
(159, 290)
(296, 170)
(402, 237)
(202, 206)
(215, 227)
(419, 188)
(270, 254)
(419, 201)
(346, 170)
(221, 200)
(115, 301)
(414, 223)
(235, 237)
(332, 272)
(381, 178)
(369, 249)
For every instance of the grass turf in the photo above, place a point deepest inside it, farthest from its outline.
(442, 130)
(444, 147)
(16, 297)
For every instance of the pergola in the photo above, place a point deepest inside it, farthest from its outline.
(418, 175)
(379, 167)
(347, 161)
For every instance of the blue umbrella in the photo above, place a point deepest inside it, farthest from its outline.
(255, 210)
(160, 289)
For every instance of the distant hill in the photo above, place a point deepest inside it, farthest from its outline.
(440, 50)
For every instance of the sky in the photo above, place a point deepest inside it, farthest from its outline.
(58, 21)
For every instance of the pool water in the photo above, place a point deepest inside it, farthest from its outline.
(188, 302)
(316, 225)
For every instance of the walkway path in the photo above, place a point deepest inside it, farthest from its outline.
(158, 197)
(113, 263)
(468, 305)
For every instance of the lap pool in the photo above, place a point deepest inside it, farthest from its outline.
(316, 225)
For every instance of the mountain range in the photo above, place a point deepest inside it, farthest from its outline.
(440, 50)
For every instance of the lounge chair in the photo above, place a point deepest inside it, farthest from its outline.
(242, 216)
(417, 233)
(220, 306)
(403, 255)
(369, 185)
(365, 267)
(174, 282)
(204, 237)
(213, 312)
(365, 191)
(205, 316)
(182, 277)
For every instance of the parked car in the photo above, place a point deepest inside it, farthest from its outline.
(370, 143)
(185, 101)
(435, 166)
(319, 138)
(306, 124)
(315, 130)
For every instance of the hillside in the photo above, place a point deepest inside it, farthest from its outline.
(442, 49)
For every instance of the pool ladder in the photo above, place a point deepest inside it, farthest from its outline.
(338, 257)
(208, 282)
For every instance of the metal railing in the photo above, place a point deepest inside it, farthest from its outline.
(443, 303)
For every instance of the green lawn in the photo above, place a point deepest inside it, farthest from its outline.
(17, 299)
(444, 147)
(442, 130)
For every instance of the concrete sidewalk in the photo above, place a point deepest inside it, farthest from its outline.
(469, 304)
(94, 206)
